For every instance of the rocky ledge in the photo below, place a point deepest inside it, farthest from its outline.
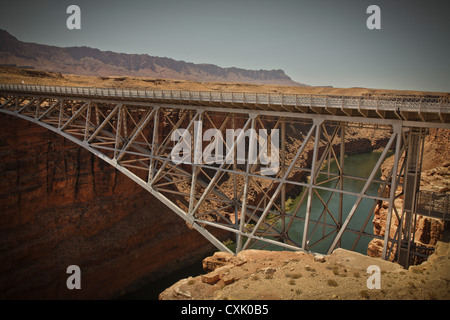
(272, 275)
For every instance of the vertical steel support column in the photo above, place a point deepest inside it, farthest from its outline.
(246, 187)
(155, 141)
(235, 193)
(393, 188)
(119, 128)
(283, 188)
(311, 182)
(341, 178)
(88, 119)
(411, 184)
(197, 159)
(61, 112)
(97, 115)
(124, 124)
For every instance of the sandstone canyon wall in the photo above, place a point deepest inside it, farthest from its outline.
(60, 205)
(435, 177)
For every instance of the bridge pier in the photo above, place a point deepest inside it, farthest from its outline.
(411, 186)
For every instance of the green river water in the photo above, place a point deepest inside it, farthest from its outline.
(359, 165)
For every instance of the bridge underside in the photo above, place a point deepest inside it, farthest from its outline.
(300, 200)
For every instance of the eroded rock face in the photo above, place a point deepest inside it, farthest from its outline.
(342, 275)
(60, 205)
(435, 177)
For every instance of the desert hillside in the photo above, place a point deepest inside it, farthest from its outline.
(91, 61)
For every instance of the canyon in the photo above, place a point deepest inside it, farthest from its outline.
(60, 205)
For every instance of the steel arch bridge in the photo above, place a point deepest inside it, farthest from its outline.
(133, 130)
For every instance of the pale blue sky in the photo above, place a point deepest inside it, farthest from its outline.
(317, 42)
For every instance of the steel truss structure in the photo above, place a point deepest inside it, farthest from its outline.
(245, 198)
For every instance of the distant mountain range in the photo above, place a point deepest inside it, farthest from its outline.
(90, 61)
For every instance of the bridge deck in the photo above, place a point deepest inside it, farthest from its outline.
(406, 108)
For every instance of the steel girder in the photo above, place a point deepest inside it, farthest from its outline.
(421, 110)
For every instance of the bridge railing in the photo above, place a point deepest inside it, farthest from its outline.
(390, 103)
(433, 204)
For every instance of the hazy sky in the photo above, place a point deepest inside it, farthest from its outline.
(317, 42)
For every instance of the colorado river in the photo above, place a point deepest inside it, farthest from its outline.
(359, 165)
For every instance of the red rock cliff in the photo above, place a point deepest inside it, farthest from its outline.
(60, 205)
(435, 177)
